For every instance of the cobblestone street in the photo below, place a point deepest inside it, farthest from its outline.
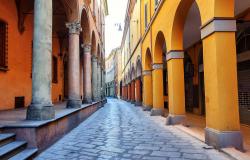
(122, 131)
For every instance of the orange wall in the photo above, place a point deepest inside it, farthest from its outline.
(17, 80)
(57, 88)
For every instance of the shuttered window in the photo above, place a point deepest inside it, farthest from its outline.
(3, 45)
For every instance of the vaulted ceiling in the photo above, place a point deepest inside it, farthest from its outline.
(63, 11)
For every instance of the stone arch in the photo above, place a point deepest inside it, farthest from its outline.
(218, 8)
(217, 69)
(93, 44)
(160, 48)
(85, 27)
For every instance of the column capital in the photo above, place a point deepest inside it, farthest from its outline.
(218, 25)
(156, 66)
(175, 54)
(94, 58)
(86, 48)
(145, 73)
(74, 27)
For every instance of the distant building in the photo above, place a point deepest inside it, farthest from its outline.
(111, 64)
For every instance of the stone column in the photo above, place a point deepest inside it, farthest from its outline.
(74, 100)
(133, 91)
(138, 92)
(128, 92)
(99, 84)
(87, 74)
(221, 85)
(158, 97)
(94, 79)
(147, 90)
(176, 87)
(81, 76)
(103, 87)
(41, 107)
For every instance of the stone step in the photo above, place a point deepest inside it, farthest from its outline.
(12, 149)
(6, 138)
(25, 154)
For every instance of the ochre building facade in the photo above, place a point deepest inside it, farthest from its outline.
(51, 51)
(190, 56)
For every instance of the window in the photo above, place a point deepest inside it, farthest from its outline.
(3, 45)
(54, 70)
(146, 15)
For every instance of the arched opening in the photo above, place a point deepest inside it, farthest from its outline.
(242, 14)
(133, 84)
(138, 83)
(121, 90)
(191, 44)
(85, 40)
(60, 49)
(148, 61)
(93, 44)
(85, 28)
(215, 101)
(160, 93)
(94, 67)
(147, 82)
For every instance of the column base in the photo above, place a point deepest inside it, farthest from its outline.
(224, 139)
(40, 112)
(87, 101)
(138, 103)
(175, 119)
(147, 108)
(74, 104)
(156, 112)
(95, 99)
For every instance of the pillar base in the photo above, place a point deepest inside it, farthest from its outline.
(40, 112)
(147, 108)
(138, 103)
(175, 119)
(87, 101)
(95, 99)
(156, 112)
(74, 104)
(224, 139)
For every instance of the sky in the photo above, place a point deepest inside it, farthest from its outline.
(117, 10)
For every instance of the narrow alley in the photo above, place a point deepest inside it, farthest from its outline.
(120, 130)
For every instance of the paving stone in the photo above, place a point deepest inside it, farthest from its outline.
(141, 152)
(153, 148)
(120, 131)
(194, 156)
(166, 154)
(154, 158)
